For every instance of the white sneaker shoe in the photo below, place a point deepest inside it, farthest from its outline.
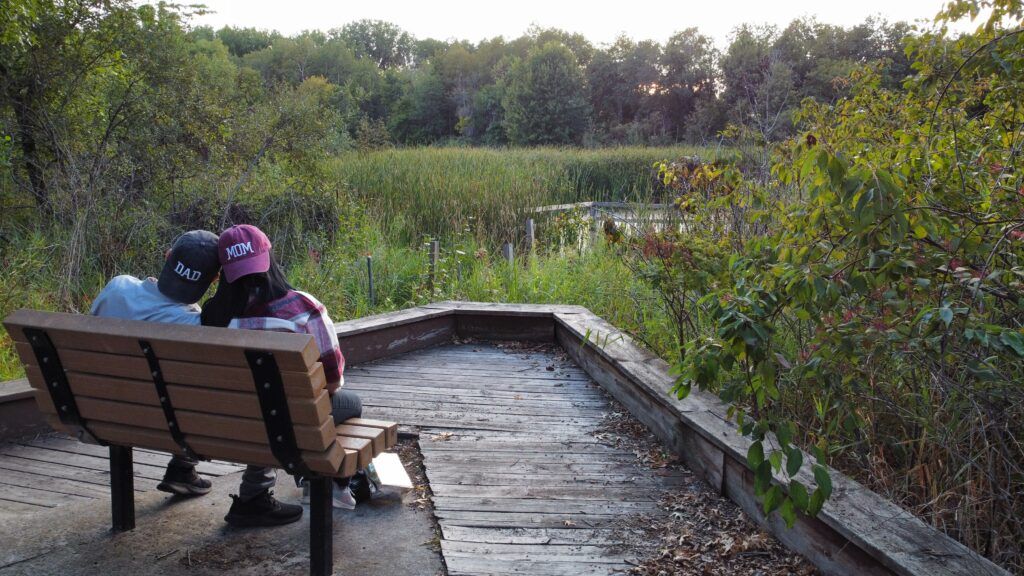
(342, 498)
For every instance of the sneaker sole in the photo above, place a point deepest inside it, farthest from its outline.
(259, 521)
(181, 489)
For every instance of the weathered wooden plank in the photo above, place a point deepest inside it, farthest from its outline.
(544, 492)
(484, 457)
(94, 463)
(574, 553)
(480, 368)
(51, 484)
(503, 309)
(484, 504)
(499, 479)
(97, 478)
(491, 388)
(373, 396)
(544, 468)
(531, 447)
(73, 446)
(379, 322)
(517, 327)
(459, 564)
(525, 520)
(362, 346)
(531, 535)
(37, 497)
(492, 421)
(511, 408)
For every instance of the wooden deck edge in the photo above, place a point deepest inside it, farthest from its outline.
(857, 532)
(18, 413)
(376, 337)
(500, 309)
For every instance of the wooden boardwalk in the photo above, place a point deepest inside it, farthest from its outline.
(521, 485)
(50, 470)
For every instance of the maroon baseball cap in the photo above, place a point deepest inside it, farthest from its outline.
(243, 250)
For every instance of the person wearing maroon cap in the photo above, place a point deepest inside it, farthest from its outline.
(253, 294)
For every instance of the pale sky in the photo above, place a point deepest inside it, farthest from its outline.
(600, 23)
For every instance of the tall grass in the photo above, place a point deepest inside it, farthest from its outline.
(487, 193)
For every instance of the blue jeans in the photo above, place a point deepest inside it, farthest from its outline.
(257, 479)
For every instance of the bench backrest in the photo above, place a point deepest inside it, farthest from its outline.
(112, 380)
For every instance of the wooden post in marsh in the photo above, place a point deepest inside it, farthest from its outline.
(506, 251)
(435, 252)
(594, 224)
(369, 277)
(529, 235)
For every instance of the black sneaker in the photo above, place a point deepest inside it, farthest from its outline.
(360, 486)
(184, 482)
(263, 510)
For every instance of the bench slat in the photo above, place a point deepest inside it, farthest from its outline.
(362, 446)
(374, 435)
(214, 425)
(221, 346)
(390, 429)
(329, 462)
(304, 384)
(244, 405)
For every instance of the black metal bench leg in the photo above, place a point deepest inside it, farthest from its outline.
(321, 527)
(122, 488)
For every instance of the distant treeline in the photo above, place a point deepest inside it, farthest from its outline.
(550, 86)
(104, 100)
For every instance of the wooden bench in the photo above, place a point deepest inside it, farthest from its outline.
(243, 396)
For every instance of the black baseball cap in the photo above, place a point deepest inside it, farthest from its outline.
(191, 267)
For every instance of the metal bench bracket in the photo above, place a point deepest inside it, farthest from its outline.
(165, 399)
(276, 417)
(56, 383)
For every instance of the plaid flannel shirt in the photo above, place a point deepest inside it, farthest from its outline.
(303, 314)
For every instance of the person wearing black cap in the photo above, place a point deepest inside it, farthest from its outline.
(192, 264)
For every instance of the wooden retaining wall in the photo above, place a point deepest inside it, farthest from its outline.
(857, 531)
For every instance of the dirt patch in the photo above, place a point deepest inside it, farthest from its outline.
(702, 533)
(235, 556)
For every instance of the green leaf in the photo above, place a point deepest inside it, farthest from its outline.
(946, 315)
(815, 503)
(798, 493)
(788, 513)
(755, 455)
(794, 460)
(1014, 340)
(920, 232)
(773, 499)
(824, 481)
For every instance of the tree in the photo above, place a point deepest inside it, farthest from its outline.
(387, 44)
(545, 101)
(690, 64)
(241, 41)
(424, 114)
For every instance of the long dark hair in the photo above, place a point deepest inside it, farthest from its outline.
(233, 298)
